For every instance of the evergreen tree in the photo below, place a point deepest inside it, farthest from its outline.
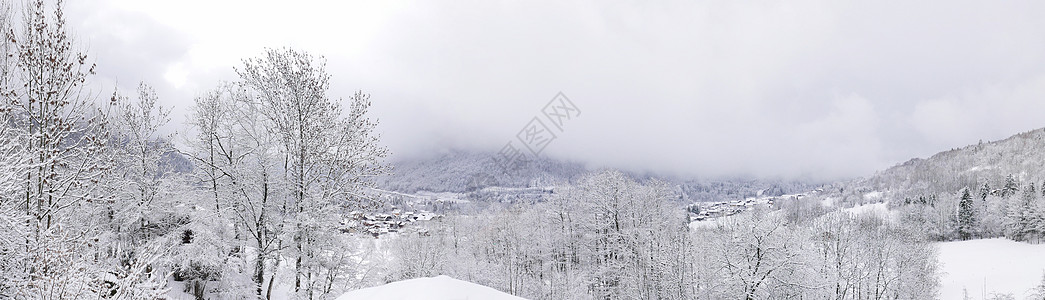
(1039, 291)
(966, 216)
(1011, 187)
(985, 191)
(1043, 188)
(1022, 221)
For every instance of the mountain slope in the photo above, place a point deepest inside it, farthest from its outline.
(1021, 155)
(459, 171)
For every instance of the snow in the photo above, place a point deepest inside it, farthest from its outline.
(433, 288)
(1002, 266)
(827, 202)
(873, 196)
(978, 168)
(445, 196)
(877, 209)
(881, 209)
(177, 290)
(710, 223)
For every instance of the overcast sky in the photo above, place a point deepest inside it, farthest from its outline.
(825, 89)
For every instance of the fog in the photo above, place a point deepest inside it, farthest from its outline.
(806, 89)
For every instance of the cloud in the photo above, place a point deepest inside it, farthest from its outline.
(131, 47)
(811, 88)
(989, 112)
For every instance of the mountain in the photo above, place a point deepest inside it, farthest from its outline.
(1022, 156)
(460, 171)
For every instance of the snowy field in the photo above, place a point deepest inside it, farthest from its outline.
(999, 265)
(434, 288)
(879, 209)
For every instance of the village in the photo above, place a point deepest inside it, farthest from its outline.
(703, 211)
(377, 224)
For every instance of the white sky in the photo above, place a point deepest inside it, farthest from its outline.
(824, 89)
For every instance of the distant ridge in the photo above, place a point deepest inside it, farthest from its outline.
(945, 173)
(459, 170)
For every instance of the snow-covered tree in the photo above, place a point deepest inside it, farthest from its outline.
(1023, 218)
(966, 215)
(330, 156)
(985, 190)
(758, 257)
(836, 238)
(607, 236)
(238, 167)
(139, 214)
(67, 170)
(1038, 293)
(1011, 187)
(140, 167)
(864, 256)
(993, 217)
(65, 137)
(283, 161)
(14, 166)
(631, 234)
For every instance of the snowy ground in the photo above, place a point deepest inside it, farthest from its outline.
(879, 209)
(434, 288)
(1002, 266)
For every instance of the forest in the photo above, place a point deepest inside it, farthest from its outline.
(97, 202)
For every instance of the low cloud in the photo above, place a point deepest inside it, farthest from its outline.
(819, 89)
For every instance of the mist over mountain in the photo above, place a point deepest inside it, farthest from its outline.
(466, 170)
(669, 150)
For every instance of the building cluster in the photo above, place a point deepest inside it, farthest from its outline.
(701, 211)
(379, 223)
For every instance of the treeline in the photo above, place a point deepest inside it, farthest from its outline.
(96, 204)
(947, 173)
(1013, 210)
(609, 237)
(467, 172)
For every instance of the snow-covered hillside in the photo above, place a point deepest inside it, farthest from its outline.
(462, 171)
(947, 172)
(988, 266)
(473, 173)
(432, 288)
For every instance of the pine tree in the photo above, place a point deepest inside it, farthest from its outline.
(1039, 291)
(1021, 218)
(1043, 188)
(966, 216)
(985, 191)
(1029, 214)
(1010, 188)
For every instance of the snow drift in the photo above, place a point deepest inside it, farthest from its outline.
(432, 288)
(989, 266)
